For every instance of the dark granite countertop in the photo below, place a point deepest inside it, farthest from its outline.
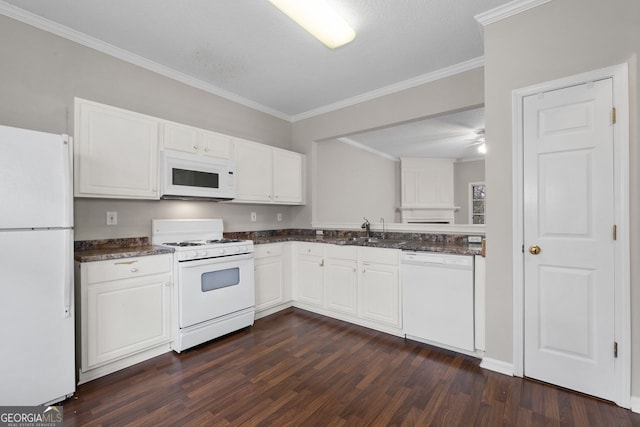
(100, 250)
(443, 243)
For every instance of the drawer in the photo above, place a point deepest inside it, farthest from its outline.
(316, 249)
(342, 252)
(270, 249)
(127, 268)
(380, 255)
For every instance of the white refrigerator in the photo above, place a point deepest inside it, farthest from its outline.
(37, 361)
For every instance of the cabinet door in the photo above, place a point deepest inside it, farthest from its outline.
(380, 295)
(116, 153)
(269, 282)
(308, 279)
(254, 172)
(341, 284)
(287, 176)
(216, 144)
(126, 316)
(180, 137)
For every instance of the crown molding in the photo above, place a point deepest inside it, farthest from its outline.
(81, 38)
(506, 10)
(63, 31)
(356, 144)
(397, 87)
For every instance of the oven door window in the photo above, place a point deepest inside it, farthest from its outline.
(192, 178)
(212, 280)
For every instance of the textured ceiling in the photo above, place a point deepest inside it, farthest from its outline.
(251, 49)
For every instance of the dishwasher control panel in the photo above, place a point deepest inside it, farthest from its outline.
(436, 258)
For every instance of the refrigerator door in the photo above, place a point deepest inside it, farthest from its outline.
(36, 314)
(35, 179)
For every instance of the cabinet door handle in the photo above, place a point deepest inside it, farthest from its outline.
(134, 270)
(206, 149)
(195, 147)
(354, 269)
(125, 262)
(168, 284)
(322, 263)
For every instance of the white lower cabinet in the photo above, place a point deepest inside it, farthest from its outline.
(356, 284)
(380, 285)
(270, 280)
(341, 279)
(125, 313)
(309, 275)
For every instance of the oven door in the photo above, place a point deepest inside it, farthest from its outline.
(214, 287)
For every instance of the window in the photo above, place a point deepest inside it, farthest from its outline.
(477, 193)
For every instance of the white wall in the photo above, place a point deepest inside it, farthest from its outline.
(463, 174)
(41, 74)
(353, 183)
(558, 39)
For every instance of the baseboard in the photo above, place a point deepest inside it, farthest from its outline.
(497, 366)
(635, 404)
(271, 310)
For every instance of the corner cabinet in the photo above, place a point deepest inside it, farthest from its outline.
(124, 313)
(267, 175)
(116, 152)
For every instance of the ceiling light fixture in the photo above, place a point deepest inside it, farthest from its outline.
(319, 19)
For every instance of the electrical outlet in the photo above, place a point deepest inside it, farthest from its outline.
(112, 218)
(279, 217)
(254, 217)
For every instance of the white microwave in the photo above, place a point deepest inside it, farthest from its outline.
(190, 176)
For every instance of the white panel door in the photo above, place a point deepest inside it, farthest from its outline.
(341, 285)
(569, 216)
(287, 176)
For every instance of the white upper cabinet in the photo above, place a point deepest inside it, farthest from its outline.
(287, 177)
(266, 174)
(196, 141)
(427, 190)
(254, 172)
(116, 152)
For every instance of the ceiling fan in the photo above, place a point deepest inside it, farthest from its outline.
(478, 140)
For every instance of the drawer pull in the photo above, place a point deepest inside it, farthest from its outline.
(126, 262)
(134, 270)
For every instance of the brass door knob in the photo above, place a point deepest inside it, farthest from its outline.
(534, 250)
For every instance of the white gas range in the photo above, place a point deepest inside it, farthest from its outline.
(215, 292)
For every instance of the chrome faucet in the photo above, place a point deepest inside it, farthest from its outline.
(366, 225)
(382, 221)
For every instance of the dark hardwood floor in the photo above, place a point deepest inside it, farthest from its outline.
(301, 369)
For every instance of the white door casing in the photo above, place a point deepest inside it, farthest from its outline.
(619, 195)
(568, 215)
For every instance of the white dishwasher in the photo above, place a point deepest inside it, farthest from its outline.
(437, 294)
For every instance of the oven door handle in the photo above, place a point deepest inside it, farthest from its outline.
(215, 260)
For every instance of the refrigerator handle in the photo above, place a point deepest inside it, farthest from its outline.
(68, 178)
(68, 276)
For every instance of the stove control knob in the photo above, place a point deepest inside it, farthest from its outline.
(202, 253)
(222, 251)
(182, 256)
(192, 254)
(243, 249)
(237, 250)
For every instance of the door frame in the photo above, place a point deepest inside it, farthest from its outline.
(622, 285)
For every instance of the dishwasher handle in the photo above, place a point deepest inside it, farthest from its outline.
(437, 260)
